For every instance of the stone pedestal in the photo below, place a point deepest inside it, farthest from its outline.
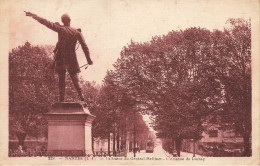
(69, 130)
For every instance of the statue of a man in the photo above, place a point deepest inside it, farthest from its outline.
(66, 55)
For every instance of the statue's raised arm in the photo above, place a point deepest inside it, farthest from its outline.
(45, 22)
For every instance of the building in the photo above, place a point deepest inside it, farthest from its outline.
(215, 142)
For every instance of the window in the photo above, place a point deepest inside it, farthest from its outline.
(227, 134)
(213, 133)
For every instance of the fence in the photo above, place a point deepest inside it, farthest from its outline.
(38, 149)
(28, 153)
(122, 153)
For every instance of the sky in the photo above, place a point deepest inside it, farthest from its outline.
(109, 25)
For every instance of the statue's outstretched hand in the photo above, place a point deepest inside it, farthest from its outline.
(29, 14)
(90, 62)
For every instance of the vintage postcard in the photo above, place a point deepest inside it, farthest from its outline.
(128, 82)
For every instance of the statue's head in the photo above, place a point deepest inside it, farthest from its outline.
(65, 18)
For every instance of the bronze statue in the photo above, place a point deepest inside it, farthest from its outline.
(65, 51)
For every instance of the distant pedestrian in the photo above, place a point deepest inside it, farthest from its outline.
(19, 151)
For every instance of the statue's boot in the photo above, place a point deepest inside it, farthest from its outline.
(75, 80)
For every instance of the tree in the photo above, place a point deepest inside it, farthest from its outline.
(114, 113)
(234, 72)
(31, 90)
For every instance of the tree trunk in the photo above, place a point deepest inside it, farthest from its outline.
(108, 144)
(178, 146)
(173, 146)
(114, 143)
(247, 149)
(21, 137)
(118, 143)
(92, 142)
(134, 134)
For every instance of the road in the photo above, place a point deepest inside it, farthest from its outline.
(158, 152)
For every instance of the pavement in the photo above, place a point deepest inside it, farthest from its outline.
(186, 154)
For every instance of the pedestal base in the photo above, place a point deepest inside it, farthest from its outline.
(69, 130)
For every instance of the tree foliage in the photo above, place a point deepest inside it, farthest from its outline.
(115, 113)
(31, 90)
(188, 78)
(235, 76)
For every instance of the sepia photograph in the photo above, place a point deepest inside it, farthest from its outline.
(161, 82)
